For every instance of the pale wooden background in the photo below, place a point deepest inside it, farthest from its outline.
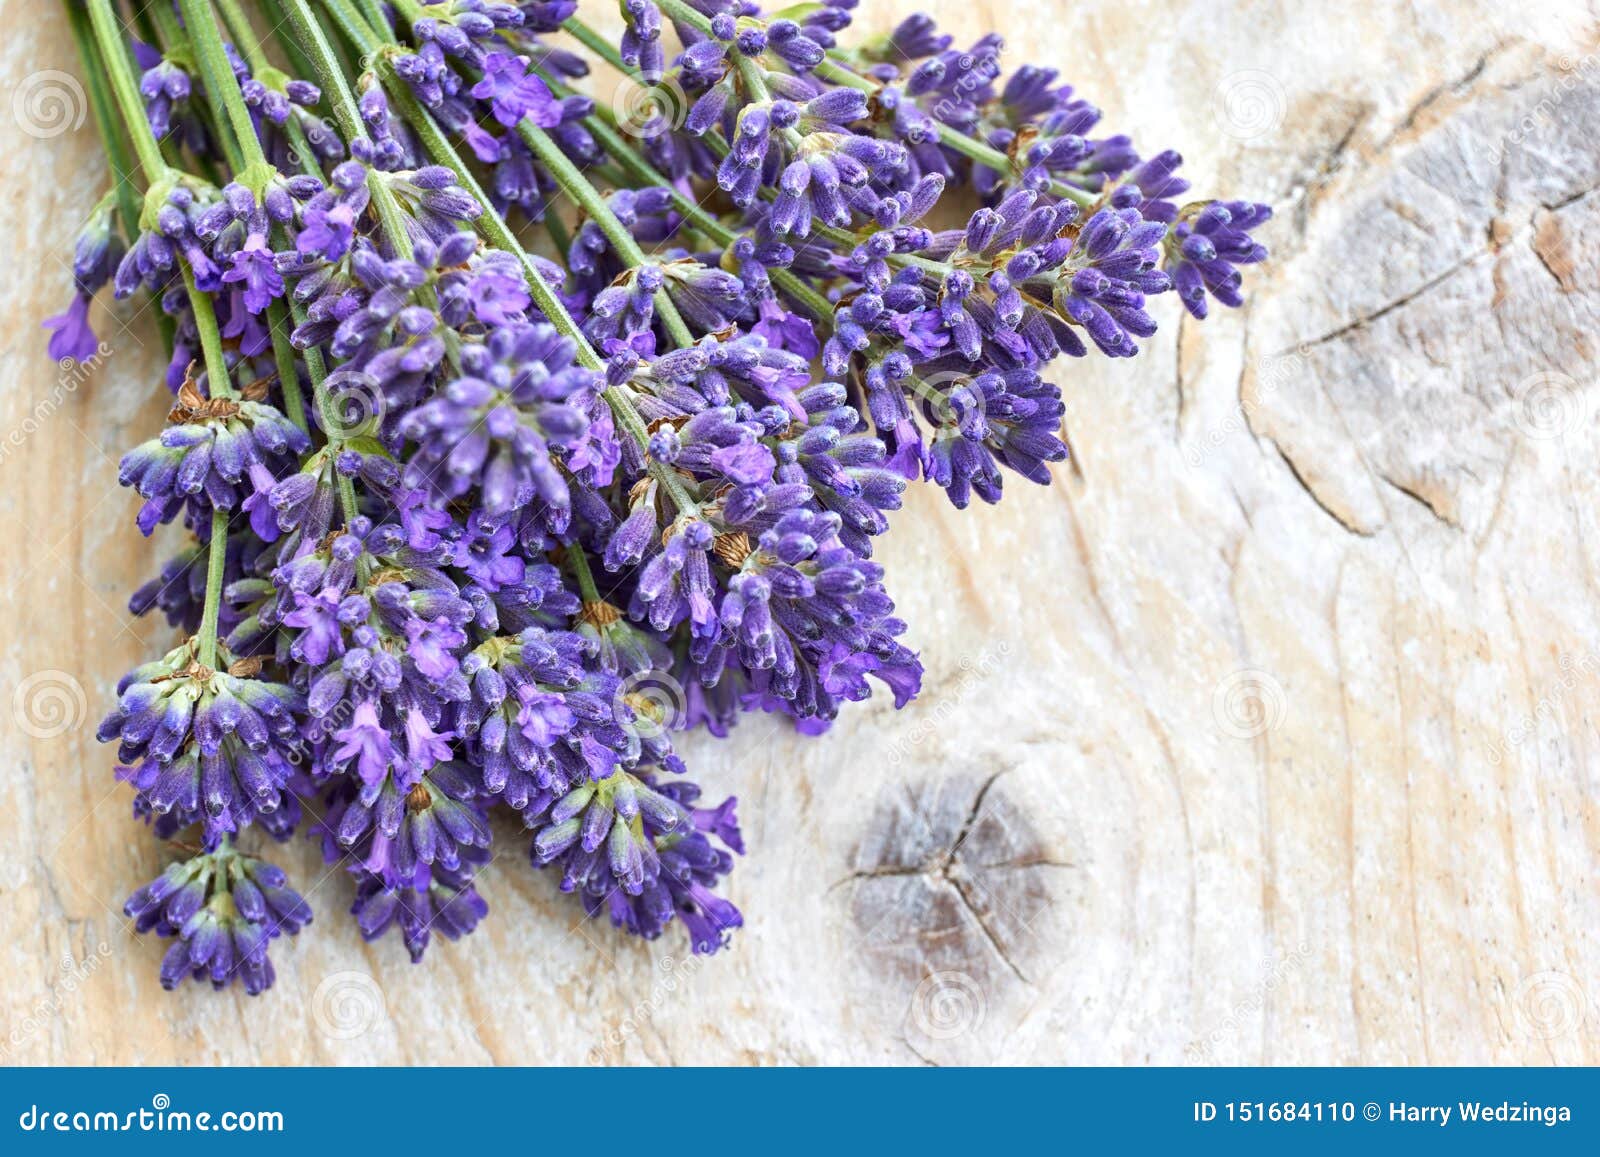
(1266, 735)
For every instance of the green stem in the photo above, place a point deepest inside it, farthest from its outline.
(105, 118)
(205, 318)
(969, 147)
(207, 41)
(595, 43)
(376, 20)
(345, 110)
(589, 199)
(580, 571)
(300, 63)
(216, 574)
(175, 43)
(244, 36)
(114, 58)
(494, 229)
(680, 13)
(218, 386)
(294, 403)
(110, 126)
(642, 171)
(317, 370)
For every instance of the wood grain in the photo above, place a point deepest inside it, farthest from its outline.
(1267, 734)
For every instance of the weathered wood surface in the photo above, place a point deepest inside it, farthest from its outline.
(1267, 734)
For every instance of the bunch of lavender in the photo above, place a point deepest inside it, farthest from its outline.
(458, 512)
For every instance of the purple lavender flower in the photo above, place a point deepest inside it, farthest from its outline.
(514, 93)
(541, 716)
(520, 401)
(414, 633)
(394, 831)
(70, 335)
(201, 460)
(1208, 248)
(165, 88)
(211, 746)
(437, 899)
(223, 908)
(634, 846)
